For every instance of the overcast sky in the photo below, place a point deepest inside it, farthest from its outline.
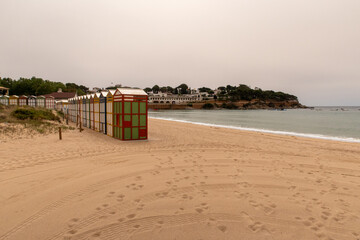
(309, 48)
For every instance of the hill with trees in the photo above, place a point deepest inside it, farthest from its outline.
(244, 92)
(229, 93)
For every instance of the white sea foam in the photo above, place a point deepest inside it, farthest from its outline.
(306, 135)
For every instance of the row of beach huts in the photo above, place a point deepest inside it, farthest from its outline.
(33, 101)
(120, 113)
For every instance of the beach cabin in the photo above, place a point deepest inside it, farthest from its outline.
(69, 108)
(4, 100)
(75, 109)
(62, 105)
(79, 110)
(32, 101)
(58, 105)
(109, 112)
(14, 100)
(130, 114)
(50, 102)
(92, 117)
(88, 110)
(72, 112)
(97, 112)
(85, 112)
(102, 124)
(23, 100)
(65, 106)
(40, 101)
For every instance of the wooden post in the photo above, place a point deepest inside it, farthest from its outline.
(60, 137)
(80, 129)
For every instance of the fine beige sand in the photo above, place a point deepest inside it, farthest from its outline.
(185, 182)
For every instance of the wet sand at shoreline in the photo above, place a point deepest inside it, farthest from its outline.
(186, 182)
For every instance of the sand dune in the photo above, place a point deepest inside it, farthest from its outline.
(185, 182)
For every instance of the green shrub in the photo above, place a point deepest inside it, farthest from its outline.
(229, 106)
(246, 105)
(207, 106)
(34, 114)
(272, 105)
(60, 113)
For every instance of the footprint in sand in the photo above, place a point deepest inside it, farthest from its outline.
(307, 223)
(253, 225)
(199, 210)
(73, 231)
(256, 226)
(185, 196)
(222, 228)
(73, 222)
(130, 216)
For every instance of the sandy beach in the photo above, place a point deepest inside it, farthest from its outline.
(186, 182)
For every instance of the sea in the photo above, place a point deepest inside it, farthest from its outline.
(332, 123)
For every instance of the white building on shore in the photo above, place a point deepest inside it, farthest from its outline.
(173, 98)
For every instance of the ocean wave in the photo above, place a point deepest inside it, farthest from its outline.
(306, 135)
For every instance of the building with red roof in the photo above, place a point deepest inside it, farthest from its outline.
(60, 95)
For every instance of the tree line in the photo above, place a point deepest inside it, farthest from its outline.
(38, 86)
(244, 92)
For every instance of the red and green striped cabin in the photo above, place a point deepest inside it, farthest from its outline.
(130, 114)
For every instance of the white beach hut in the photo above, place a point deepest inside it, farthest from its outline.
(32, 101)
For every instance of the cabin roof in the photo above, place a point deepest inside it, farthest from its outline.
(110, 92)
(131, 91)
(103, 93)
